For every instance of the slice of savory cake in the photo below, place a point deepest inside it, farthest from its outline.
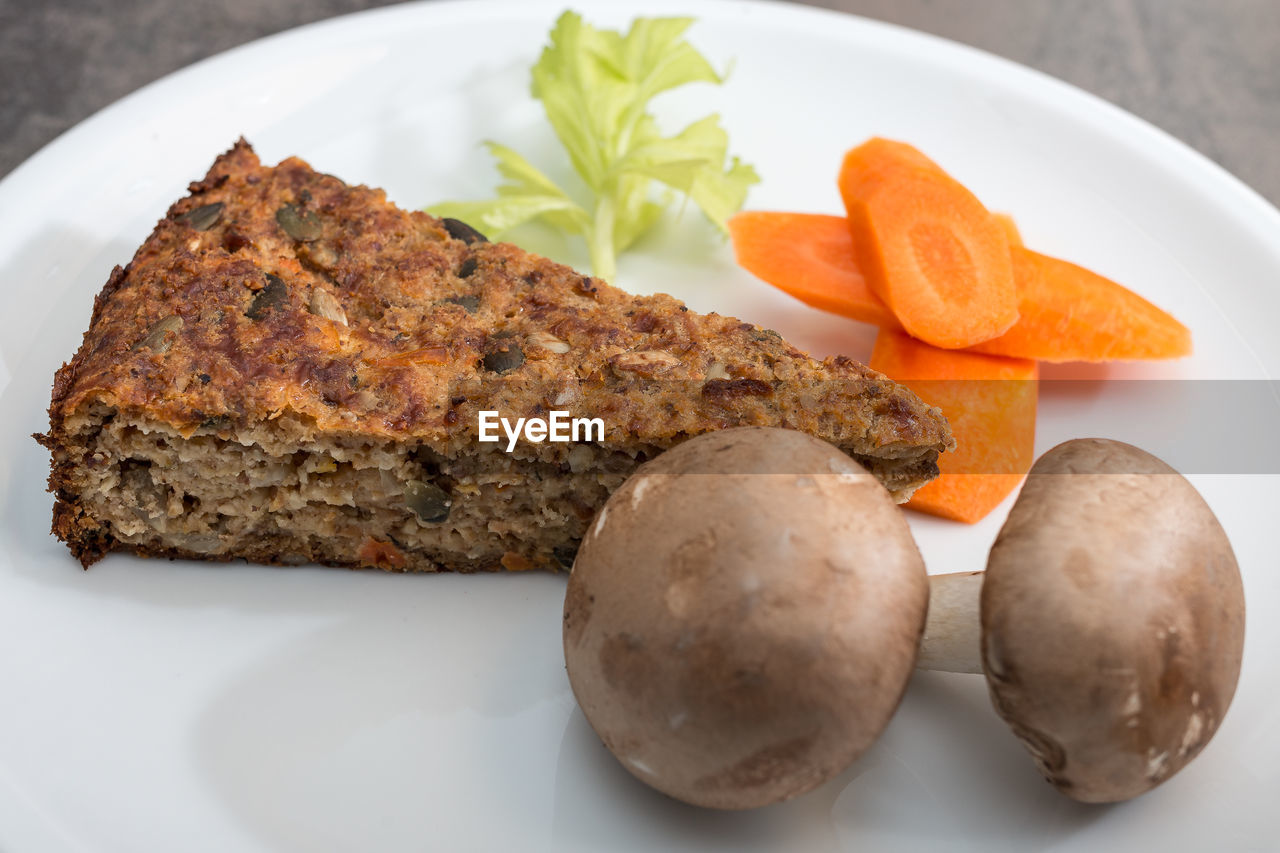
(293, 370)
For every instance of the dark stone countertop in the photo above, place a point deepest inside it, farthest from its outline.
(1208, 73)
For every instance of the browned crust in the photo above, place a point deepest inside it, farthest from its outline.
(259, 338)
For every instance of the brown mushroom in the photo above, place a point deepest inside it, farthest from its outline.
(1112, 620)
(743, 616)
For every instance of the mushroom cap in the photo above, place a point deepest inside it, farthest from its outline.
(1112, 620)
(743, 616)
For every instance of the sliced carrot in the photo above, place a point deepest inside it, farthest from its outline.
(1067, 313)
(1011, 232)
(926, 246)
(1071, 314)
(810, 256)
(990, 402)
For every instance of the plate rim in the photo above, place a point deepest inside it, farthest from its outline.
(793, 11)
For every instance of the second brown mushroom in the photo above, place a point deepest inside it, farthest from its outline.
(1109, 623)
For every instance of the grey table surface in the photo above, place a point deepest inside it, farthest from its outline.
(1206, 71)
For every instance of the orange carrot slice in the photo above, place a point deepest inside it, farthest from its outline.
(990, 402)
(926, 246)
(1067, 313)
(1011, 232)
(810, 256)
(1071, 314)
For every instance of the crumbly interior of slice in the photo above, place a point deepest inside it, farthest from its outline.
(340, 500)
(285, 494)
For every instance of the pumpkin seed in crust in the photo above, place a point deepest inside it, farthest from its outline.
(301, 225)
(271, 296)
(428, 501)
(505, 357)
(204, 217)
(470, 303)
(460, 230)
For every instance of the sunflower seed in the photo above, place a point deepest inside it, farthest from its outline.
(716, 371)
(319, 255)
(157, 337)
(325, 304)
(645, 362)
(566, 395)
(548, 342)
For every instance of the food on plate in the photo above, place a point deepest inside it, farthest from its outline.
(810, 257)
(1112, 620)
(926, 246)
(294, 370)
(743, 616)
(596, 87)
(990, 402)
(917, 253)
(1011, 232)
(1069, 313)
(1066, 312)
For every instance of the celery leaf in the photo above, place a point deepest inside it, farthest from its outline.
(596, 87)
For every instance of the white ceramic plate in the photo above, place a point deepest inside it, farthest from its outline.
(149, 705)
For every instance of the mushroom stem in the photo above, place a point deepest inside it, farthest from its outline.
(952, 639)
